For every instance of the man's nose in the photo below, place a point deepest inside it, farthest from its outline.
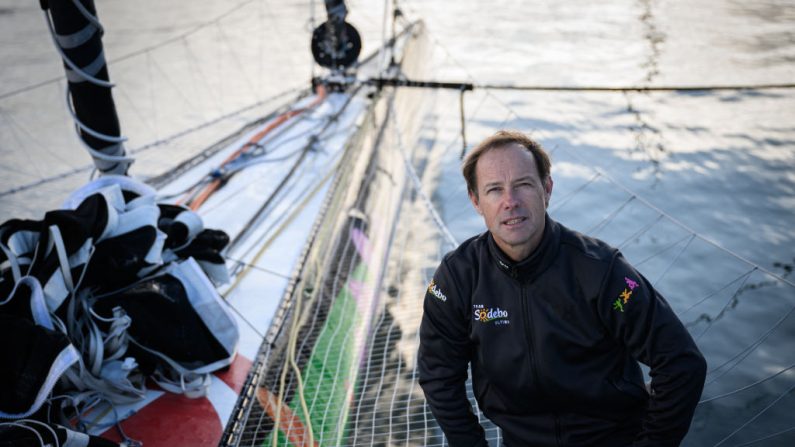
(509, 199)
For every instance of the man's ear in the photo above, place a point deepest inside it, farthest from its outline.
(548, 183)
(474, 199)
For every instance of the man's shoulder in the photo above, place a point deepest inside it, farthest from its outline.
(590, 260)
(468, 252)
(457, 270)
(587, 247)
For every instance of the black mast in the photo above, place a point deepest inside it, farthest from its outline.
(77, 35)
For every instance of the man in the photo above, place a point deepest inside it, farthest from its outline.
(552, 322)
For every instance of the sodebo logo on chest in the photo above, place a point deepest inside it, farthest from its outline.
(483, 314)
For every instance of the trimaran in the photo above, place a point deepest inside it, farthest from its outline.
(310, 200)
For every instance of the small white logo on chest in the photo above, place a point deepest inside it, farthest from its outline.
(435, 291)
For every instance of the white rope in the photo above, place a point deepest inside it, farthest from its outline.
(731, 393)
(46, 426)
(151, 145)
(743, 354)
(609, 218)
(418, 184)
(199, 27)
(336, 290)
(80, 72)
(682, 225)
(104, 137)
(88, 16)
(740, 277)
(725, 307)
(399, 270)
(314, 263)
(755, 417)
(765, 438)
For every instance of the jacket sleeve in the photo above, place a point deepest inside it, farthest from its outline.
(443, 358)
(641, 320)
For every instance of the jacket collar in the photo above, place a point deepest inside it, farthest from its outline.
(538, 261)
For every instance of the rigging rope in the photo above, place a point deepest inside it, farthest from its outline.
(418, 184)
(756, 416)
(309, 147)
(284, 225)
(636, 88)
(680, 224)
(738, 390)
(144, 50)
(153, 144)
(765, 438)
(208, 190)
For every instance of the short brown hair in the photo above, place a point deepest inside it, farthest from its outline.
(499, 139)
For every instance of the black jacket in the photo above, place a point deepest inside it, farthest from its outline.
(553, 343)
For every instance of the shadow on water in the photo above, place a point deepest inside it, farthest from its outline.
(526, 123)
(769, 41)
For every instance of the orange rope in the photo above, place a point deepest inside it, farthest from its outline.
(213, 186)
(289, 423)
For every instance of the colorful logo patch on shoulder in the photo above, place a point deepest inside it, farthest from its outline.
(625, 295)
(483, 314)
(434, 290)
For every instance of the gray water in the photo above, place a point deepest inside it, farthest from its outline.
(717, 164)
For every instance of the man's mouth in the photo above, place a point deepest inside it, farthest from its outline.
(514, 221)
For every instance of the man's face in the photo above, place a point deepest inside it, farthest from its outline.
(512, 199)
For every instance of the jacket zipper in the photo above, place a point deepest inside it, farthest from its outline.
(527, 315)
(528, 328)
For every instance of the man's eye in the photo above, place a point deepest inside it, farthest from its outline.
(491, 190)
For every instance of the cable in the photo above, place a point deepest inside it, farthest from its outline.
(82, 73)
(755, 417)
(151, 145)
(731, 393)
(743, 354)
(256, 267)
(635, 88)
(418, 184)
(765, 438)
(278, 121)
(272, 237)
(150, 48)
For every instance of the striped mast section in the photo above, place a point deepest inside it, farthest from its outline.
(77, 35)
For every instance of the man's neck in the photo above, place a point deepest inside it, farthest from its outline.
(518, 253)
